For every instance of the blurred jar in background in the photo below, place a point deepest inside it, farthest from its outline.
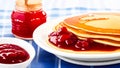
(26, 17)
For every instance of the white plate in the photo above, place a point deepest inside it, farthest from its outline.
(40, 36)
(89, 63)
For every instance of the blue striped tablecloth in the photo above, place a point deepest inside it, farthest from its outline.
(56, 9)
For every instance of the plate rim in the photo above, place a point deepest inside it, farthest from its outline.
(88, 63)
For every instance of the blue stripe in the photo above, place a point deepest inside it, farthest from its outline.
(6, 10)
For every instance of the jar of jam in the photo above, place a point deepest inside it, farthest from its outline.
(26, 17)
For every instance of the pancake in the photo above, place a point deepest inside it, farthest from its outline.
(88, 34)
(100, 23)
(104, 41)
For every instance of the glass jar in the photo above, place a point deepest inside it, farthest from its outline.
(26, 18)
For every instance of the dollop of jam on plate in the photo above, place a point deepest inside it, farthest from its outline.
(11, 54)
(64, 39)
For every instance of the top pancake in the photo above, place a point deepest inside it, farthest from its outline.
(101, 23)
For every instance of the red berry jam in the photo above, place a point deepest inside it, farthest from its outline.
(64, 39)
(24, 23)
(11, 54)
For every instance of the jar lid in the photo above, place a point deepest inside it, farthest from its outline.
(28, 5)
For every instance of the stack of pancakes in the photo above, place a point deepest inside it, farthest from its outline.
(103, 28)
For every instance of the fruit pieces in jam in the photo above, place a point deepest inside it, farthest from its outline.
(64, 39)
(11, 54)
(24, 23)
